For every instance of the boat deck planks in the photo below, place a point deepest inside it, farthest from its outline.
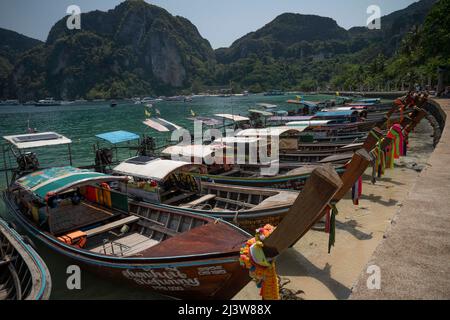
(208, 238)
(205, 198)
(131, 244)
(80, 216)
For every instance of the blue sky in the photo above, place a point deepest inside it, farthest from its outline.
(221, 22)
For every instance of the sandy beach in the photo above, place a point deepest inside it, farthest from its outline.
(359, 230)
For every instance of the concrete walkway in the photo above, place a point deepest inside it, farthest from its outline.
(414, 257)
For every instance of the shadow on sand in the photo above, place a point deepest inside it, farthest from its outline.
(379, 199)
(293, 264)
(350, 227)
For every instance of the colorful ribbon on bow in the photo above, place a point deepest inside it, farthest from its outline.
(357, 191)
(262, 271)
(330, 225)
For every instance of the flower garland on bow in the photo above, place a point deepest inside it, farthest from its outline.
(262, 271)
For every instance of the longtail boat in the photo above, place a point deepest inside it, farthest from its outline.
(23, 273)
(166, 249)
(167, 183)
(290, 177)
(257, 217)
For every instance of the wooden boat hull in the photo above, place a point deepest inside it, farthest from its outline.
(285, 182)
(208, 276)
(23, 273)
(247, 220)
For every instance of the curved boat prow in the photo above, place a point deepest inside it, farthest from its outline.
(23, 273)
(355, 169)
(372, 139)
(307, 208)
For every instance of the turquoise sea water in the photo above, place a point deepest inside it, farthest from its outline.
(81, 123)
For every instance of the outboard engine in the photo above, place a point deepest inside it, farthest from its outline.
(147, 147)
(27, 162)
(103, 158)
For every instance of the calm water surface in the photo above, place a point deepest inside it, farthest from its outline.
(81, 123)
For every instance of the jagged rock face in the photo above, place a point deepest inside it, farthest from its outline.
(141, 49)
(284, 31)
(166, 62)
(135, 43)
(280, 37)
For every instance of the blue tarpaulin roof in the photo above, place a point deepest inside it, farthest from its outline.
(56, 180)
(118, 136)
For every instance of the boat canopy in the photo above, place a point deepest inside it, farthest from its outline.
(118, 136)
(306, 124)
(359, 104)
(261, 112)
(58, 180)
(347, 108)
(308, 104)
(267, 105)
(232, 117)
(154, 169)
(280, 113)
(237, 139)
(36, 140)
(291, 118)
(197, 151)
(269, 132)
(333, 114)
(207, 121)
(161, 125)
(370, 100)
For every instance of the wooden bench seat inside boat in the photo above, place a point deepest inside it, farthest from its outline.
(111, 226)
(179, 198)
(199, 201)
(126, 246)
(63, 220)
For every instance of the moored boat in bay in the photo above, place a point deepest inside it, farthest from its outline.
(170, 251)
(23, 273)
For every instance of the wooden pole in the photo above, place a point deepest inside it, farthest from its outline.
(309, 205)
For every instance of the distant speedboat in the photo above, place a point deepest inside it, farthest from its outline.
(274, 93)
(176, 98)
(149, 100)
(49, 102)
(10, 103)
(113, 104)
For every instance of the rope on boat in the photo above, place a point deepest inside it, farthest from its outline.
(288, 294)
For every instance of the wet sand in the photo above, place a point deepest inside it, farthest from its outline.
(359, 230)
